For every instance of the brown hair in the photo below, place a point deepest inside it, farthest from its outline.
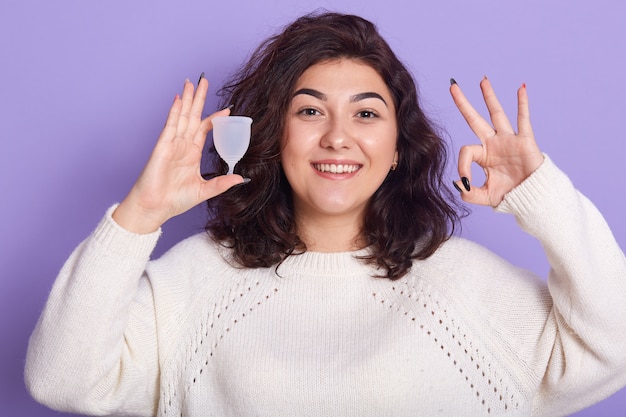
(408, 217)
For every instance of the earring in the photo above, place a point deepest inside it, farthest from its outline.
(394, 165)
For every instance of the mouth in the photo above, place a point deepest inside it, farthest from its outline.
(337, 168)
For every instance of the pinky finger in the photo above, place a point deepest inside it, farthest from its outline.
(523, 113)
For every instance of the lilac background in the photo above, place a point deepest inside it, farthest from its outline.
(85, 87)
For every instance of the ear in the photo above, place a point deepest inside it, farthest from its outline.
(394, 164)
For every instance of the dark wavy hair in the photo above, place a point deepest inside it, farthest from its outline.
(408, 217)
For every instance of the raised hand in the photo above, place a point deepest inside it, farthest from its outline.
(507, 157)
(170, 183)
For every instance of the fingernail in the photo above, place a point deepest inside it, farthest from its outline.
(229, 107)
(244, 182)
(201, 77)
(457, 187)
(452, 81)
(466, 183)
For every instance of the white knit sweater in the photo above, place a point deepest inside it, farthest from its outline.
(464, 333)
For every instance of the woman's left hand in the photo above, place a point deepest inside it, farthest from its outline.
(507, 157)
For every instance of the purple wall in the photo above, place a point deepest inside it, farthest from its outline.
(85, 87)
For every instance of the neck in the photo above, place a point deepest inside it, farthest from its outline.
(334, 234)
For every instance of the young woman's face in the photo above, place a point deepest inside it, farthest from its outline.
(340, 139)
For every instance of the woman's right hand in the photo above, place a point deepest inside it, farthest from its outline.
(170, 183)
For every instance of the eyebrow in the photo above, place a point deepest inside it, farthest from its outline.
(311, 92)
(353, 99)
(363, 96)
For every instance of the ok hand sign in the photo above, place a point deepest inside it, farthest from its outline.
(507, 157)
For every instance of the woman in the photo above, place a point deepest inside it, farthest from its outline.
(329, 284)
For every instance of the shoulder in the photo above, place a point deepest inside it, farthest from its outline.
(193, 263)
(458, 254)
(501, 303)
(475, 276)
(481, 265)
(195, 249)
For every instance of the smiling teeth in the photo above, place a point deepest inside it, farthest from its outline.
(336, 169)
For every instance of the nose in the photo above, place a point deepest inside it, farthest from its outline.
(337, 136)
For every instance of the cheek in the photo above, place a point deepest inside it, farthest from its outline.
(288, 156)
(380, 147)
(297, 143)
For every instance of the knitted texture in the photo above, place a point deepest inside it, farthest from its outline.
(464, 333)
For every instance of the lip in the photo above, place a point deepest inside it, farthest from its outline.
(336, 169)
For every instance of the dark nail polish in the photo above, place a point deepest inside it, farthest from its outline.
(457, 187)
(466, 183)
(201, 77)
(452, 81)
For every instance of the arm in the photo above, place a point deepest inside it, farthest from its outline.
(95, 347)
(580, 354)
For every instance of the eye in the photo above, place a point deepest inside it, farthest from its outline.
(367, 114)
(309, 112)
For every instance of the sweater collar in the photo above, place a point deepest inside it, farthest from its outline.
(328, 263)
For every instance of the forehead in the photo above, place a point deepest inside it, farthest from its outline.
(342, 75)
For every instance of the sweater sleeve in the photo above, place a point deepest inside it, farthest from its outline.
(94, 349)
(585, 334)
